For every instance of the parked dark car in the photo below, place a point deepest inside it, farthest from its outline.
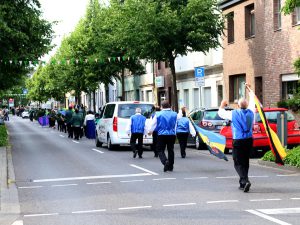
(208, 119)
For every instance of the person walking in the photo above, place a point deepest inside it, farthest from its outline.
(89, 125)
(76, 123)
(155, 134)
(184, 127)
(68, 118)
(136, 127)
(241, 123)
(165, 122)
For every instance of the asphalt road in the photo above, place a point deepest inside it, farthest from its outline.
(65, 182)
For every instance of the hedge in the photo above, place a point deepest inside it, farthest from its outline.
(292, 158)
(3, 136)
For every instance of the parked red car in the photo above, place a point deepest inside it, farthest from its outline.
(260, 139)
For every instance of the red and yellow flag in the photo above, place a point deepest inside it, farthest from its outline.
(275, 144)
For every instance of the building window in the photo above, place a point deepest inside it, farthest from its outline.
(290, 84)
(220, 94)
(158, 65)
(277, 14)
(236, 87)
(186, 97)
(230, 27)
(249, 21)
(296, 16)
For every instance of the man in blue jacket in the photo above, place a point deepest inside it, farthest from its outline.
(136, 127)
(165, 124)
(241, 124)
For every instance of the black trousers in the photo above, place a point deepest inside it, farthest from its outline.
(70, 130)
(139, 137)
(164, 141)
(241, 154)
(154, 143)
(77, 131)
(182, 139)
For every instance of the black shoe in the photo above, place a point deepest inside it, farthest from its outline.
(183, 156)
(171, 168)
(155, 155)
(134, 154)
(166, 167)
(140, 156)
(247, 187)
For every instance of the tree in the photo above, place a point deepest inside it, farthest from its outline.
(24, 36)
(161, 30)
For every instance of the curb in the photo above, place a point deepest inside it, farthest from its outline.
(274, 165)
(9, 200)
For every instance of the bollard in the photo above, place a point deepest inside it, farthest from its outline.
(282, 127)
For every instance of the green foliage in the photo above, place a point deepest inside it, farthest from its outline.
(283, 104)
(24, 36)
(292, 158)
(3, 136)
(290, 5)
(161, 30)
(269, 156)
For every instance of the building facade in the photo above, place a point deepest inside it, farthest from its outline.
(260, 46)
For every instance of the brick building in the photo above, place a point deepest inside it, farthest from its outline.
(260, 46)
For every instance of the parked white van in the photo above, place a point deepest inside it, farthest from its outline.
(111, 128)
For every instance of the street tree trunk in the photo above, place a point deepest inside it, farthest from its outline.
(174, 86)
(123, 84)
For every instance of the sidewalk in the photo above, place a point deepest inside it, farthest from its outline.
(9, 201)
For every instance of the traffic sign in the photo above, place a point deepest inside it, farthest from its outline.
(199, 72)
(199, 81)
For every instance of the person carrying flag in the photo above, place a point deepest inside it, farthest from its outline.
(241, 123)
(183, 128)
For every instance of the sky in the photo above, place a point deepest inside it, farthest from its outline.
(67, 13)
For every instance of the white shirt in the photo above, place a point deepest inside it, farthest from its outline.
(228, 114)
(88, 117)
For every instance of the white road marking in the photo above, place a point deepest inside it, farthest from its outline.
(280, 211)
(106, 182)
(61, 135)
(222, 201)
(18, 222)
(229, 177)
(268, 217)
(129, 181)
(170, 178)
(295, 198)
(136, 207)
(91, 177)
(75, 142)
(195, 178)
(29, 187)
(258, 176)
(96, 150)
(262, 200)
(180, 204)
(90, 211)
(287, 175)
(63, 185)
(45, 214)
(143, 169)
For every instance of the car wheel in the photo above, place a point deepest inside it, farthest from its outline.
(199, 144)
(98, 143)
(109, 145)
(226, 151)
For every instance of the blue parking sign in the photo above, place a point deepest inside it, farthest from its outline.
(199, 72)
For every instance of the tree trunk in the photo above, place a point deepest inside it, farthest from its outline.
(174, 86)
(94, 101)
(123, 84)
